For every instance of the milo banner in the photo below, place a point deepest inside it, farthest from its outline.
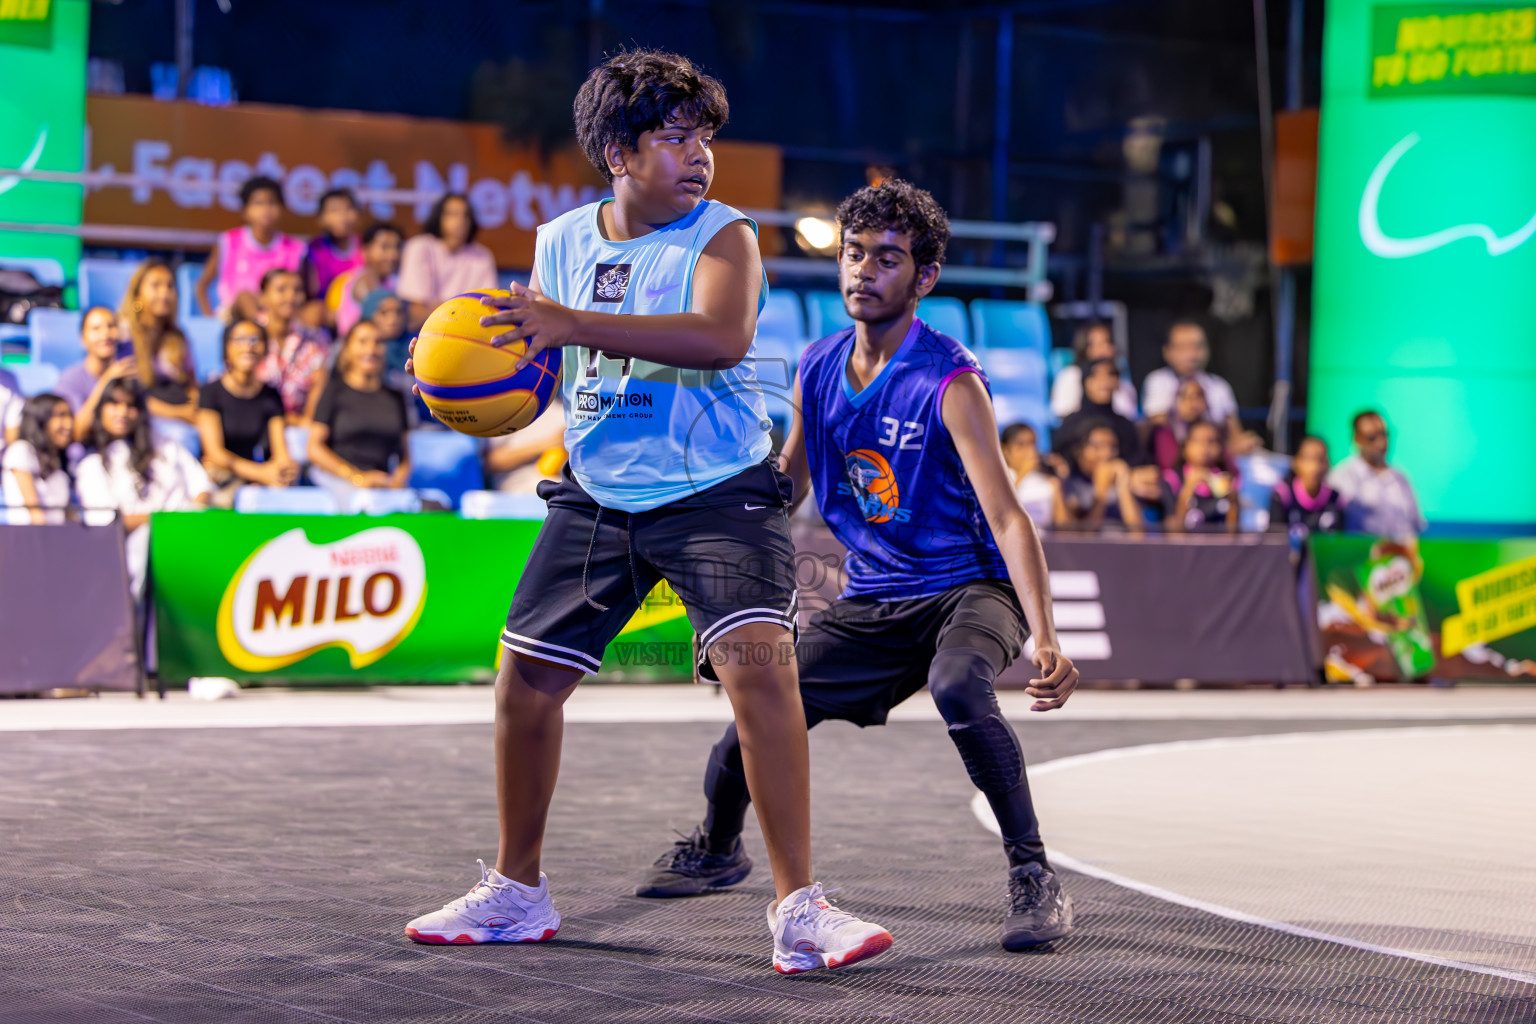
(410, 598)
(1452, 609)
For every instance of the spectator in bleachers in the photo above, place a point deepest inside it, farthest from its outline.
(1090, 343)
(241, 420)
(516, 462)
(381, 264)
(1098, 489)
(1039, 491)
(1378, 499)
(246, 254)
(36, 482)
(11, 401)
(296, 353)
(387, 311)
(160, 349)
(132, 475)
(1166, 440)
(336, 249)
(445, 260)
(1187, 352)
(81, 384)
(1101, 383)
(1207, 493)
(358, 437)
(1304, 498)
(173, 393)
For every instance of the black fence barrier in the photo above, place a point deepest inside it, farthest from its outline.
(66, 616)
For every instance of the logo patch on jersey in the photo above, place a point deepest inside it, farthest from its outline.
(611, 283)
(874, 485)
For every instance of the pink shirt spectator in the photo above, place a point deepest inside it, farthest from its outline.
(429, 273)
(330, 262)
(291, 367)
(243, 262)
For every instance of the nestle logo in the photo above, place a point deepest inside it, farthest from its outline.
(586, 401)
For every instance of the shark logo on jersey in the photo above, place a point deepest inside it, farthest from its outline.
(611, 283)
(873, 486)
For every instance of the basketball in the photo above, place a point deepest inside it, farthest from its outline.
(468, 383)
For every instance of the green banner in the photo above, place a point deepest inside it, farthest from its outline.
(1441, 49)
(42, 122)
(1426, 215)
(408, 598)
(1447, 608)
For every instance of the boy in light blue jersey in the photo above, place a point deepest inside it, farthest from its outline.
(653, 295)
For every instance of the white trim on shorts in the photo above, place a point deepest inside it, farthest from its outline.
(746, 615)
(542, 650)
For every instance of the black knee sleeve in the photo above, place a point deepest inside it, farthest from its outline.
(960, 683)
(990, 752)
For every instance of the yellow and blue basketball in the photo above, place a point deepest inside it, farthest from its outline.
(468, 383)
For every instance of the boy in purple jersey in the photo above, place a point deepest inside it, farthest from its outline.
(894, 427)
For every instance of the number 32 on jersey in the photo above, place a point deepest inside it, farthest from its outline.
(903, 436)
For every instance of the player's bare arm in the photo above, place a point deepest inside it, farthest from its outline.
(967, 414)
(715, 334)
(792, 461)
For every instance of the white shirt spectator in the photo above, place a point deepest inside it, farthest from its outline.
(1038, 496)
(52, 492)
(1067, 394)
(1376, 501)
(11, 401)
(1161, 389)
(107, 481)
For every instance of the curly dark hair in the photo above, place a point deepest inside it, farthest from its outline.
(637, 91)
(896, 205)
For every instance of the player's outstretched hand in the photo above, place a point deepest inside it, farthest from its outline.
(538, 321)
(1058, 678)
(410, 367)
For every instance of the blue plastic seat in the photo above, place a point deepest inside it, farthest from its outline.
(825, 314)
(55, 336)
(48, 272)
(302, 501)
(35, 378)
(205, 334)
(782, 315)
(1058, 359)
(379, 501)
(104, 282)
(1001, 323)
(1022, 407)
(186, 291)
(447, 461)
(947, 315)
(498, 505)
(1015, 369)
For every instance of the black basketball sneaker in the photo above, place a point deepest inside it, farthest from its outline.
(690, 868)
(1038, 911)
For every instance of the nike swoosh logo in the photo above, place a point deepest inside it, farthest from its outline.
(754, 508)
(1387, 247)
(652, 293)
(10, 181)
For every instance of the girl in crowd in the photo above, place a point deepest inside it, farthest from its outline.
(81, 385)
(1098, 490)
(1101, 384)
(1166, 441)
(387, 311)
(36, 484)
(244, 255)
(336, 249)
(241, 419)
(1304, 498)
(296, 354)
(359, 426)
(1207, 493)
(132, 475)
(1039, 491)
(445, 260)
(161, 352)
(381, 262)
(1090, 343)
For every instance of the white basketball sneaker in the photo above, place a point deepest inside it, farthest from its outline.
(809, 932)
(497, 909)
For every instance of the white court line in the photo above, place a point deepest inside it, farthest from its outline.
(983, 813)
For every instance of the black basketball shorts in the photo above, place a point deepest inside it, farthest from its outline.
(726, 552)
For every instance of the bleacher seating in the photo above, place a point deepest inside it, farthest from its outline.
(446, 461)
(1001, 323)
(104, 282)
(824, 314)
(186, 294)
(55, 336)
(782, 316)
(205, 334)
(48, 272)
(35, 378)
(387, 501)
(1058, 359)
(1011, 339)
(496, 505)
(308, 501)
(946, 315)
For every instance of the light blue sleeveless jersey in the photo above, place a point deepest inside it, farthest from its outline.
(642, 434)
